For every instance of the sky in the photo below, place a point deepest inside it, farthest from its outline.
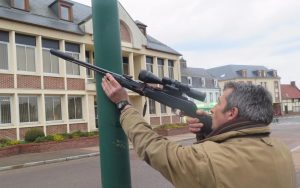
(211, 33)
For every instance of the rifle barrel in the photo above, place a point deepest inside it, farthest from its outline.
(67, 57)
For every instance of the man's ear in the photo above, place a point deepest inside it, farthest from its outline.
(233, 113)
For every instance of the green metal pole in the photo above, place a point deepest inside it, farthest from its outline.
(115, 167)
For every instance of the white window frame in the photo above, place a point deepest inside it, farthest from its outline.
(76, 118)
(160, 71)
(53, 113)
(10, 111)
(163, 109)
(152, 102)
(37, 102)
(73, 65)
(51, 63)
(5, 43)
(202, 82)
(26, 46)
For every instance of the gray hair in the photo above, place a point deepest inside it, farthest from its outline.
(253, 102)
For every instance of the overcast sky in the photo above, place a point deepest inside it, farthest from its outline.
(212, 33)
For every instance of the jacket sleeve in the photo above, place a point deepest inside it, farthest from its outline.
(180, 165)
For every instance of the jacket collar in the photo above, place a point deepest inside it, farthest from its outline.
(244, 129)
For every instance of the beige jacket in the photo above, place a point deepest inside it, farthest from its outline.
(228, 160)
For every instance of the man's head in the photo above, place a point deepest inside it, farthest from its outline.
(243, 101)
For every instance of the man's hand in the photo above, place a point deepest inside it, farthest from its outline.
(194, 124)
(114, 91)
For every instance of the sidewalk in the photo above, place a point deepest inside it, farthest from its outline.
(34, 159)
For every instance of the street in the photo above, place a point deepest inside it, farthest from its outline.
(86, 172)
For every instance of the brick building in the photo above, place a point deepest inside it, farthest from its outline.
(40, 90)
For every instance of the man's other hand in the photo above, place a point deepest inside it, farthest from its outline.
(194, 124)
(114, 91)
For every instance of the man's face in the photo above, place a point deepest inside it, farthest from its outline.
(219, 117)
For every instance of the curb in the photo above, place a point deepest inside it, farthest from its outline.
(38, 163)
(75, 157)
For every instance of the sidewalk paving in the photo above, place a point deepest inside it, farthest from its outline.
(34, 159)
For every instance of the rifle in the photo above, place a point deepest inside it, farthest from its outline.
(171, 94)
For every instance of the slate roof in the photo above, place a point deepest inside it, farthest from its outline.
(41, 14)
(195, 72)
(154, 44)
(289, 92)
(228, 72)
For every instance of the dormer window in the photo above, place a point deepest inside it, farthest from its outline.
(65, 11)
(20, 4)
(274, 73)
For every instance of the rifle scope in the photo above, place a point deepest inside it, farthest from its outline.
(149, 77)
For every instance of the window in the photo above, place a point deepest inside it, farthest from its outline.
(202, 82)
(4, 39)
(160, 66)
(189, 81)
(171, 69)
(163, 108)
(65, 13)
(217, 95)
(264, 84)
(3, 55)
(5, 112)
(211, 97)
(20, 4)
(149, 63)
(89, 72)
(276, 84)
(152, 109)
(65, 10)
(53, 108)
(28, 109)
(25, 52)
(125, 65)
(72, 50)
(50, 62)
(215, 82)
(75, 107)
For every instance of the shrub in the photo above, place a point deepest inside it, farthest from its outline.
(33, 134)
(78, 134)
(44, 139)
(171, 126)
(94, 133)
(6, 142)
(58, 137)
(13, 142)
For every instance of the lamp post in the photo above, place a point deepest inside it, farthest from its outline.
(115, 167)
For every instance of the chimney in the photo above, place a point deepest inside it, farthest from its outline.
(142, 27)
(293, 83)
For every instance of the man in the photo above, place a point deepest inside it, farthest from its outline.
(237, 153)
